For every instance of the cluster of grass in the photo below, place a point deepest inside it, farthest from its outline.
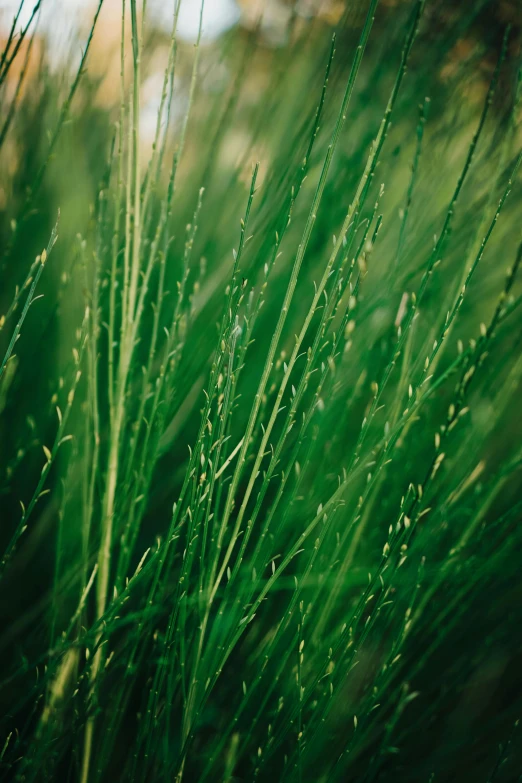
(260, 445)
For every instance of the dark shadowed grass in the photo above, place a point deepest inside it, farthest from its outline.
(260, 443)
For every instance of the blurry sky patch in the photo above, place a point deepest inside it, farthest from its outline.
(59, 18)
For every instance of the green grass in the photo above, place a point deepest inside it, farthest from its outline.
(259, 438)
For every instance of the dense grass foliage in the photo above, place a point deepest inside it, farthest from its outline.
(260, 399)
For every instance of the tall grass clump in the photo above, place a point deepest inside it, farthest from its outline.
(260, 435)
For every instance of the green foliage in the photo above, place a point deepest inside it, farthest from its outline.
(263, 424)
